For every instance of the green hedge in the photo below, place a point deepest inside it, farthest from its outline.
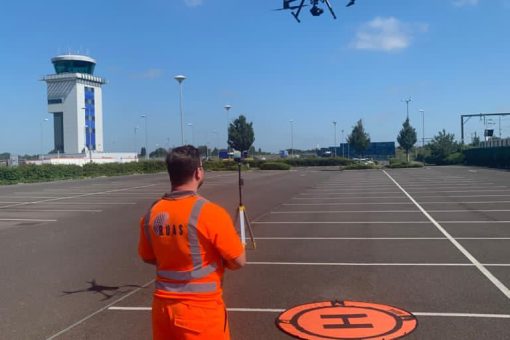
(43, 173)
(498, 157)
(360, 166)
(397, 163)
(274, 166)
(226, 165)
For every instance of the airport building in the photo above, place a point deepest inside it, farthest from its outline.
(75, 100)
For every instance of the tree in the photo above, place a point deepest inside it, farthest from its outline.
(407, 137)
(358, 138)
(158, 153)
(240, 134)
(143, 152)
(442, 148)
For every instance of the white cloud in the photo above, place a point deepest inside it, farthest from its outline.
(462, 3)
(386, 34)
(193, 3)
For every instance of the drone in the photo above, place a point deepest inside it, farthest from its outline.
(315, 10)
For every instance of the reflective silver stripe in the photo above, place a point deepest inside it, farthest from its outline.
(146, 226)
(188, 275)
(209, 287)
(194, 244)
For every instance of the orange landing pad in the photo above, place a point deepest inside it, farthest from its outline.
(346, 320)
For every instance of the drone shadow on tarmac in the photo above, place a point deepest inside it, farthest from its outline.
(107, 291)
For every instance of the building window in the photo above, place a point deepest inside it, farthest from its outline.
(54, 101)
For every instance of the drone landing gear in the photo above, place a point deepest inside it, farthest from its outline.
(296, 14)
(330, 8)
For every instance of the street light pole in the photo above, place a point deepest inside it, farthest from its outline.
(422, 128)
(227, 108)
(135, 144)
(343, 155)
(191, 129)
(407, 103)
(334, 124)
(146, 138)
(42, 135)
(180, 79)
(291, 138)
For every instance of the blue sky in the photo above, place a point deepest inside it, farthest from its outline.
(449, 56)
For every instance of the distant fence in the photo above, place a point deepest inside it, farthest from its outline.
(498, 157)
(494, 143)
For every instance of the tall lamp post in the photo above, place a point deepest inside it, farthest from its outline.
(291, 138)
(42, 135)
(191, 129)
(146, 138)
(180, 79)
(334, 125)
(422, 128)
(343, 154)
(407, 101)
(227, 108)
(135, 144)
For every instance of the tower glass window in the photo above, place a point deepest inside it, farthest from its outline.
(74, 64)
(90, 119)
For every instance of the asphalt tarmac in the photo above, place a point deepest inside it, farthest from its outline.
(432, 241)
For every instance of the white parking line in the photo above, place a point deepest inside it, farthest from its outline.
(463, 250)
(350, 203)
(55, 210)
(341, 191)
(87, 203)
(379, 238)
(78, 196)
(380, 222)
(26, 220)
(383, 211)
(390, 186)
(320, 198)
(99, 311)
(347, 197)
(345, 222)
(398, 203)
(343, 211)
(280, 310)
(375, 264)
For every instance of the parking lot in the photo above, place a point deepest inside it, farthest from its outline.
(433, 241)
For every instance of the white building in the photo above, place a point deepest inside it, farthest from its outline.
(75, 100)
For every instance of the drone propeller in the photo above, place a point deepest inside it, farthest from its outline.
(351, 2)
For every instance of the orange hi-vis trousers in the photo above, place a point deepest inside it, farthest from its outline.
(189, 320)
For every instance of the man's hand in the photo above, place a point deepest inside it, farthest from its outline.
(236, 263)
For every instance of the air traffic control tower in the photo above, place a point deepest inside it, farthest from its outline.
(75, 100)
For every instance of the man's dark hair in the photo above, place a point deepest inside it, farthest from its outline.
(181, 163)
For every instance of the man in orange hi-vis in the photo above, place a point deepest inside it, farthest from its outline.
(191, 241)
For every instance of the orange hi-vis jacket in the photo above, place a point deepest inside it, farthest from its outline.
(188, 237)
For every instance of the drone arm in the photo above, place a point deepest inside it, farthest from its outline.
(296, 14)
(330, 8)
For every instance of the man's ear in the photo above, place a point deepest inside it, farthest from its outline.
(197, 174)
